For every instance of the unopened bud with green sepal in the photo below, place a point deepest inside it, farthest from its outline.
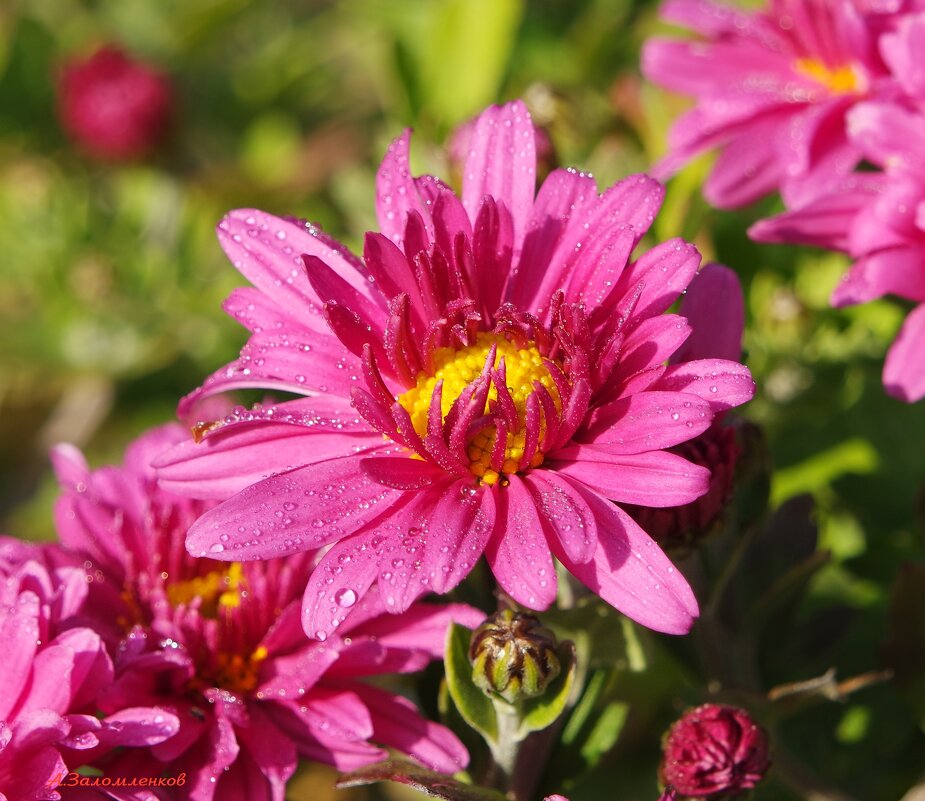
(514, 656)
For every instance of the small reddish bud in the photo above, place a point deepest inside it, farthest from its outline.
(713, 752)
(114, 107)
(680, 527)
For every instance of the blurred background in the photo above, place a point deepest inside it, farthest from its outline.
(111, 282)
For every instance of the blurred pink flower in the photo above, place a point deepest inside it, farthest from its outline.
(54, 676)
(772, 89)
(220, 646)
(496, 378)
(114, 107)
(878, 218)
(714, 751)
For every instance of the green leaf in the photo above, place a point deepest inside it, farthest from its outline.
(541, 712)
(420, 778)
(475, 707)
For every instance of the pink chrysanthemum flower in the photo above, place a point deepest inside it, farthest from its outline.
(878, 218)
(772, 89)
(54, 675)
(220, 646)
(487, 380)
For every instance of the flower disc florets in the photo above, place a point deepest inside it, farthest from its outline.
(488, 380)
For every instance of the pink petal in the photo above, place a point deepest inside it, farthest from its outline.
(293, 511)
(398, 724)
(259, 312)
(256, 444)
(747, 168)
(518, 552)
(273, 753)
(296, 673)
(823, 222)
(397, 192)
(564, 513)
(888, 134)
(268, 251)
(648, 421)
(723, 384)
(904, 369)
(652, 342)
(302, 362)
(433, 542)
(19, 632)
(502, 163)
(895, 271)
(632, 573)
(902, 50)
(666, 270)
(421, 628)
(657, 478)
(138, 727)
(563, 194)
(342, 578)
(715, 308)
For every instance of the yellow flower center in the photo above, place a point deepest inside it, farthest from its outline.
(239, 673)
(459, 368)
(220, 589)
(843, 80)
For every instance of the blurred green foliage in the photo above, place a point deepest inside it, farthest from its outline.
(112, 282)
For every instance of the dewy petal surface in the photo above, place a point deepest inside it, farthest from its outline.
(510, 364)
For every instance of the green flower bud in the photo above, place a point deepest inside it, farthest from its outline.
(513, 656)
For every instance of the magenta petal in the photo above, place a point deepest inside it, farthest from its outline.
(301, 362)
(666, 271)
(421, 628)
(294, 511)
(402, 473)
(888, 134)
(723, 384)
(248, 447)
(339, 712)
(298, 672)
(398, 724)
(139, 726)
(434, 542)
(825, 221)
(502, 163)
(648, 421)
(651, 343)
(902, 50)
(629, 571)
(341, 579)
(268, 251)
(657, 478)
(904, 369)
(715, 308)
(397, 192)
(748, 168)
(518, 552)
(563, 194)
(273, 753)
(564, 513)
(896, 270)
(19, 632)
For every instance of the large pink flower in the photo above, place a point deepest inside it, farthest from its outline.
(772, 89)
(878, 218)
(54, 675)
(489, 379)
(220, 646)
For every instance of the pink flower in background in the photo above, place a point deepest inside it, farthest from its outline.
(714, 751)
(54, 675)
(487, 380)
(772, 90)
(220, 645)
(114, 107)
(879, 218)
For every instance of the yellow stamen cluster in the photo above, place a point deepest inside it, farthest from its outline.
(843, 80)
(218, 589)
(457, 369)
(238, 673)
